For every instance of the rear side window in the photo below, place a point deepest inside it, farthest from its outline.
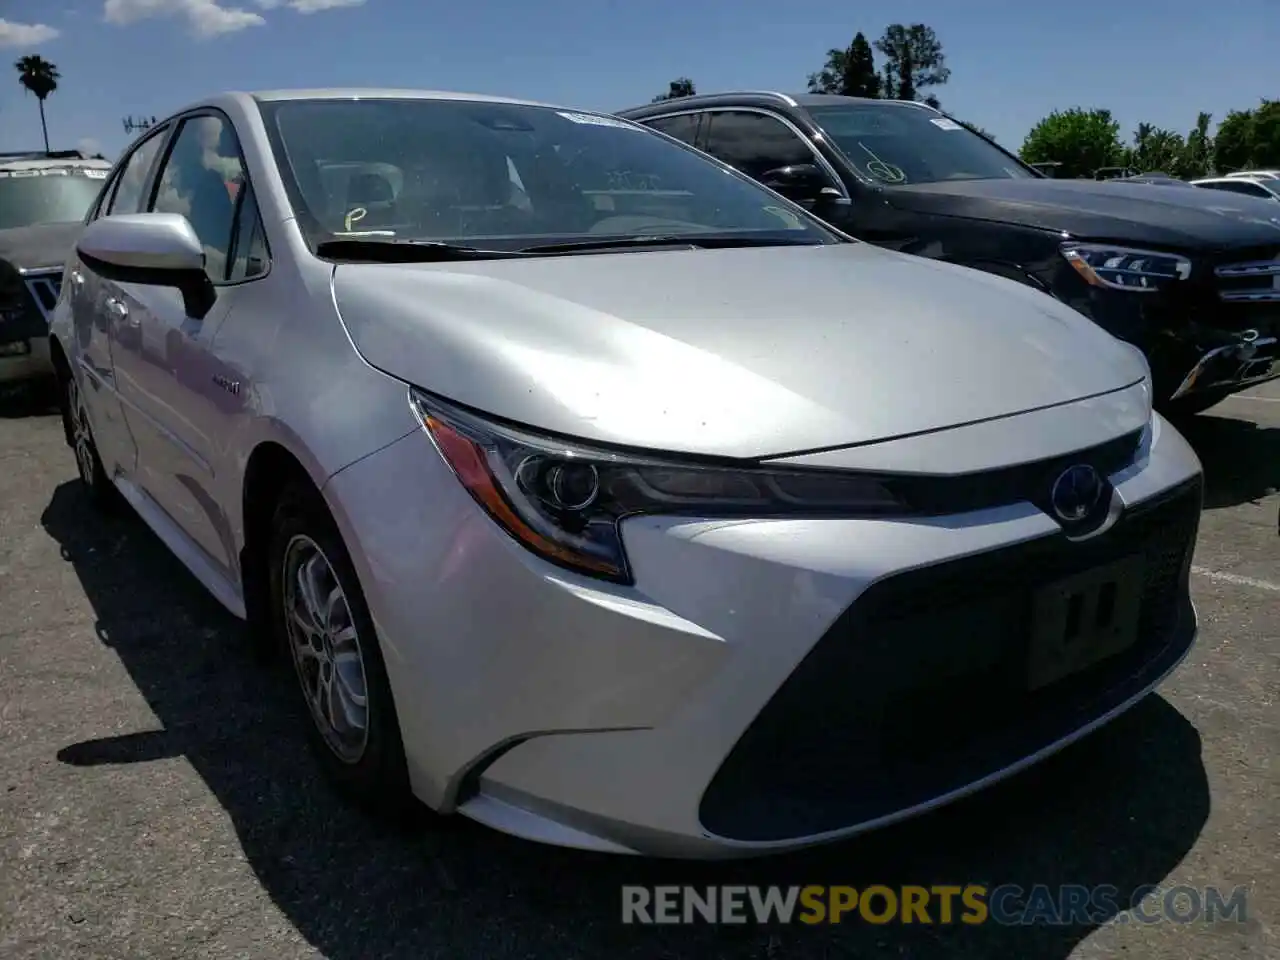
(683, 126)
(1249, 189)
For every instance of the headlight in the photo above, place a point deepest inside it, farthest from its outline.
(1122, 268)
(563, 500)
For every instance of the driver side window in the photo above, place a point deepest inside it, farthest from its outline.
(201, 179)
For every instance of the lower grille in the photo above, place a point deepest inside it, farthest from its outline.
(1249, 281)
(919, 688)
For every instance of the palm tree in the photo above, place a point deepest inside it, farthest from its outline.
(37, 75)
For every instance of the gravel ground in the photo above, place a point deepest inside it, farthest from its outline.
(156, 799)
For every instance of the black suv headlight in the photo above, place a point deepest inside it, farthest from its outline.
(1125, 268)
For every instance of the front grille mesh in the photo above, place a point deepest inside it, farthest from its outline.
(1249, 281)
(919, 688)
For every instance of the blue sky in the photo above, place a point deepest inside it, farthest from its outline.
(1011, 62)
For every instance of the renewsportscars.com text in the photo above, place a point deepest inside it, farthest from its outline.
(971, 904)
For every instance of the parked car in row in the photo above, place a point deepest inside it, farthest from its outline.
(43, 201)
(599, 494)
(1262, 188)
(1256, 174)
(1188, 277)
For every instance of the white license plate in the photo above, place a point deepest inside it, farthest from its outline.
(1084, 619)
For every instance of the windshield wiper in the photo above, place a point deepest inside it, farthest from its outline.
(386, 250)
(693, 241)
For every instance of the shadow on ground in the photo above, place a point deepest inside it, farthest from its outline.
(1121, 808)
(1241, 458)
(22, 400)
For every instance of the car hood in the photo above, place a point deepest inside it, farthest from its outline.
(735, 353)
(42, 245)
(1193, 219)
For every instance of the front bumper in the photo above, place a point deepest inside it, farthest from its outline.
(733, 703)
(1205, 340)
(1247, 360)
(22, 360)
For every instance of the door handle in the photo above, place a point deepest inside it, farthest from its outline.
(119, 311)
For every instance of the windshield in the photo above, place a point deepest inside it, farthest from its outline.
(506, 177)
(898, 144)
(56, 195)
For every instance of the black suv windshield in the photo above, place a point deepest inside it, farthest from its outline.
(508, 177)
(47, 195)
(898, 143)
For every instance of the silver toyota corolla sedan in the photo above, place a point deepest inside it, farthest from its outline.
(604, 496)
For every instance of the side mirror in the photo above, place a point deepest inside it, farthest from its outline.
(159, 249)
(800, 182)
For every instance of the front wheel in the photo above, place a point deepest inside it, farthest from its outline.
(321, 618)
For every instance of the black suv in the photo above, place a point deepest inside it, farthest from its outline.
(43, 200)
(1192, 277)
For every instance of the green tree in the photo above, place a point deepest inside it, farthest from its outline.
(1081, 140)
(37, 75)
(1198, 156)
(849, 73)
(682, 87)
(1266, 135)
(1156, 149)
(1233, 143)
(913, 61)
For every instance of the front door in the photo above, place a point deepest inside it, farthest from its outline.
(164, 361)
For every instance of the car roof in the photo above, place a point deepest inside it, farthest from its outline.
(758, 98)
(16, 164)
(245, 99)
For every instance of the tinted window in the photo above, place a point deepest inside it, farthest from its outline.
(904, 144)
(200, 179)
(133, 178)
(683, 126)
(507, 175)
(754, 143)
(249, 249)
(48, 195)
(1249, 189)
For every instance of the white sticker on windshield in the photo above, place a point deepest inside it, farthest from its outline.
(943, 123)
(96, 174)
(596, 121)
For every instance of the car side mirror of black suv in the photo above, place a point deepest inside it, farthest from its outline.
(800, 182)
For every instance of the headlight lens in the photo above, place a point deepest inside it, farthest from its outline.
(563, 500)
(1123, 268)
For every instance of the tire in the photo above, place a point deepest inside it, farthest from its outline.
(367, 766)
(93, 476)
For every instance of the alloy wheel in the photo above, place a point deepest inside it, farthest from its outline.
(325, 647)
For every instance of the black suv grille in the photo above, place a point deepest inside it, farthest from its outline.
(1252, 278)
(919, 688)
